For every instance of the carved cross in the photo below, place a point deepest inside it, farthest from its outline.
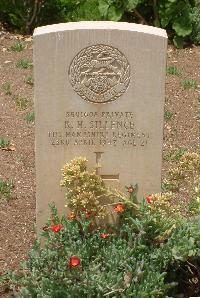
(98, 167)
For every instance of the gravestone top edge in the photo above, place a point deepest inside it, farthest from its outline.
(100, 25)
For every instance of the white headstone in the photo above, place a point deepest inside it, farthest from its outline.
(99, 93)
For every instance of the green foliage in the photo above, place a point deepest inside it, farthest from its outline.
(5, 189)
(185, 241)
(24, 64)
(175, 155)
(184, 248)
(17, 47)
(29, 81)
(180, 17)
(173, 70)
(187, 169)
(168, 115)
(30, 117)
(138, 258)
(178, 42)
(4, 143)
(7, 88)
(166, 186)
(176, 14)
(195, 36)
(87, 11)
(23, 103)
(190, 84)
(194, 206)
(111, 10)
(22, 15)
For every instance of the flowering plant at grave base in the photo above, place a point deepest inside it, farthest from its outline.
(152, 251)
(86, 192)
(138, 257)
(163, 203)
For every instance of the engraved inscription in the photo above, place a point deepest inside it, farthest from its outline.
(99, 73)
(99, 129)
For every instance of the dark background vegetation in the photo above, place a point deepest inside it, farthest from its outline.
(181, 18)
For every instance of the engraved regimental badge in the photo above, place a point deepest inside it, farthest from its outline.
(100, 73)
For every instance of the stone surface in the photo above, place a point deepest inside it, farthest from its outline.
(99, 93)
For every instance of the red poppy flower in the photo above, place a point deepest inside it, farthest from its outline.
(71, 216)
(104, 235)
(119, 208)
(56, 228)
(149, 199)
(74, 261)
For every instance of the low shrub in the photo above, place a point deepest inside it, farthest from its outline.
(148, 252)
(6, 189)
(140, 257)
(195, 36)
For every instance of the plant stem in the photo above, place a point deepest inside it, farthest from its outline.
(140, 17)
(155, 12)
